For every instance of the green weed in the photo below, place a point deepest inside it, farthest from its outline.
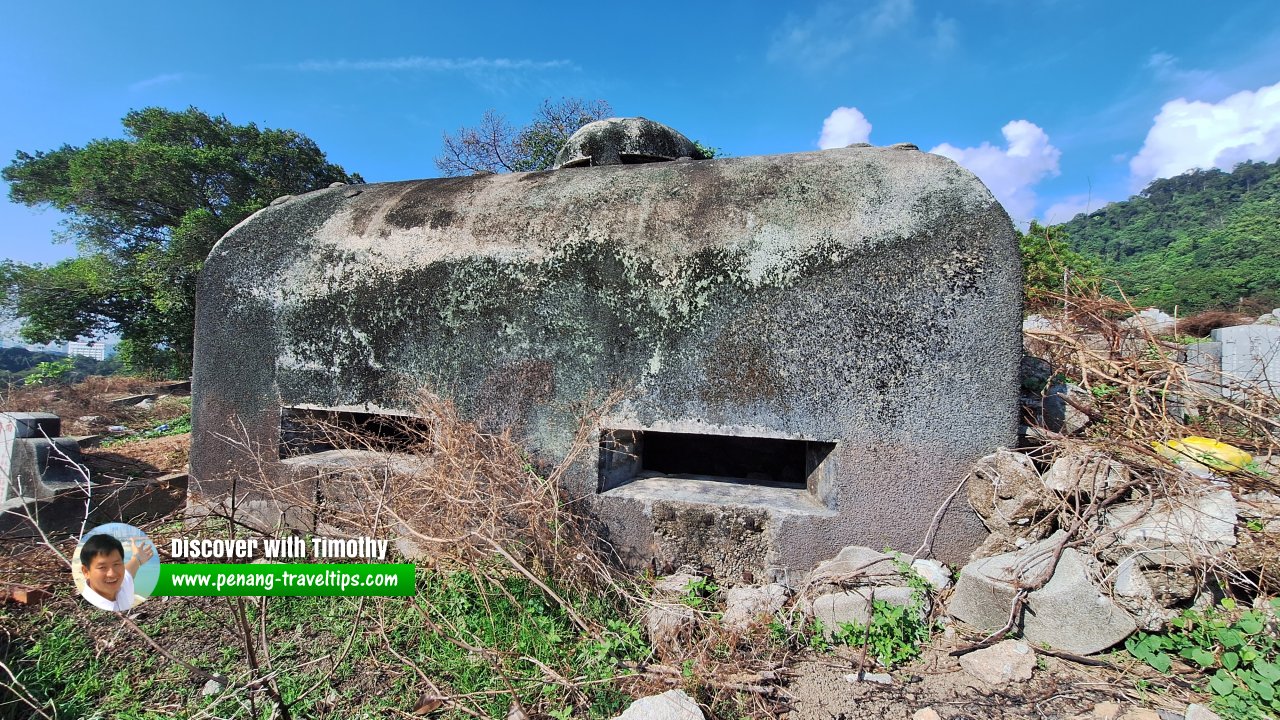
(1240, 657)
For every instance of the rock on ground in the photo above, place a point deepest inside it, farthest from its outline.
(668, 624)
(1199, 712)
(1069, 613)
(1175, 530)
(674, 585)
(1006, 492)
(745, 605)
(1089, 473)
(854, 606)
(670, 705)
(857, 565)
(934, 572)
(1005, 662)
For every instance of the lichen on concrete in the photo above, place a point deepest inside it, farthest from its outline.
(864, 296)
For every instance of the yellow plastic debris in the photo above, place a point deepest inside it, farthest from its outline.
(1205, 451)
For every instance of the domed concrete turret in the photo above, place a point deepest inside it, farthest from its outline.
(625, 141)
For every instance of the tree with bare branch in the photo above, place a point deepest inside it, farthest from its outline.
(496, 146)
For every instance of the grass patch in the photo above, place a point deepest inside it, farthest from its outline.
(478, 638)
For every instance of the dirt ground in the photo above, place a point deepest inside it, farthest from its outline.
(140, 458)
(1058, 690)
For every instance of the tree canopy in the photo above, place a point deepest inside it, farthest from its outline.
(495, 146)
(144, 212)
(1204, 239)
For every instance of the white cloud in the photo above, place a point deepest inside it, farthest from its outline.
(150, 82)
(835, 30)
(1167, 69)
(1011, 172)
(844, 126)
(1196, 134)
(432, 64)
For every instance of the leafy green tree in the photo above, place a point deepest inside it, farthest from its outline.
(1201, 240)
(1048, 262)
(144, 211)
(495, 146)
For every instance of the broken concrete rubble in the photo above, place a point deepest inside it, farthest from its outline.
(670, 705)
(751, 604)
(1178, 530)
(1005, 662)
(1068, 612)
(1086, 472)
(1005, 490)
(855, 606)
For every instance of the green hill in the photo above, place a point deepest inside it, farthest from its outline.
(1204, 239)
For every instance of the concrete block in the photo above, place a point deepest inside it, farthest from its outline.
(1069, 612)
(854, 606)
(721, 297)
(1175, 530)
(30, 424)
(1250, 358)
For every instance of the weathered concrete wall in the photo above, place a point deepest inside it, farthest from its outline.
(1237, 361)
(869, 297)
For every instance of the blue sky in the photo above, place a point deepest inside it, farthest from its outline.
(1058, 105)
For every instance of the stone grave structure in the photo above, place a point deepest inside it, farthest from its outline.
(1237, 360)
(812, 349)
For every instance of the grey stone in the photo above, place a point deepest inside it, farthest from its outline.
(16, 425)
(1196, 711)
(877, 678)
(1062, 408)
(668, 624)
(858, 565)
(1037, 322)
(1005, 662)
(622, 141)
(674, 585)
(854, 606)
(1005, 490)
(1250, 360)
(1153, 320)
(1174, 530)
(934, 572)
(1132, 591)
(1068, 612)
(212, 687)
(1090, 473)
(718, 297)
(34, 462)
(746, 605)
(670, 705)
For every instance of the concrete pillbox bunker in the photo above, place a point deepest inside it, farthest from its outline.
(812, 349)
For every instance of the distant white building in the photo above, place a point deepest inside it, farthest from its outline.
(92, 350)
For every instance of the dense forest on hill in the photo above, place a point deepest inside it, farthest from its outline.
(1204, 239)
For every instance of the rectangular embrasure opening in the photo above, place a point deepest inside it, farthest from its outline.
(630, 455)
(309, 431)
